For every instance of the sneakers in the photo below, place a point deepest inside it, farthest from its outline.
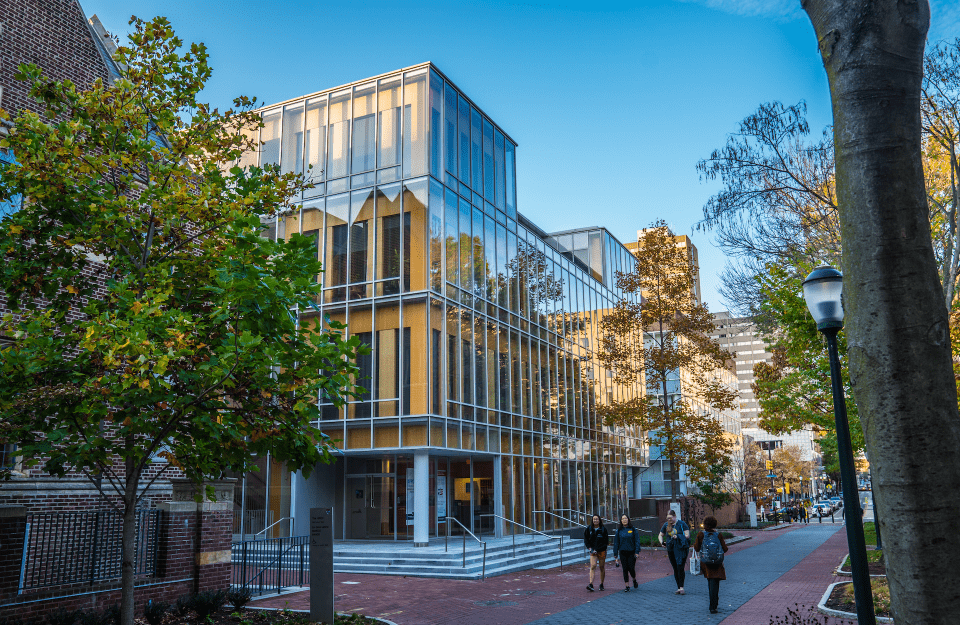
(601, 587)
(635, 584)
(713, 611)
(627, 589)
(590, 587)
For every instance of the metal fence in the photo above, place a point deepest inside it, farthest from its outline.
(269, 565)
(63, 548)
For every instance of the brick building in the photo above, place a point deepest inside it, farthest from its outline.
(59, 544)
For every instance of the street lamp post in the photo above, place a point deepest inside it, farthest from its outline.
(823, 293)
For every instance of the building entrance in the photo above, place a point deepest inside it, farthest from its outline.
(370, 507)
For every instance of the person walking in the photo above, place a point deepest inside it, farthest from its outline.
(712, 570)
(804, 517)
(626, 546)
(596, 539)
(675, 536)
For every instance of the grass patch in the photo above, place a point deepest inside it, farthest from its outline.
(650, 540)
(870, 533)
(745, 525)
(881, 594)
(873, 556)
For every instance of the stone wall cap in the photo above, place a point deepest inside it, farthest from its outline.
(8, 512)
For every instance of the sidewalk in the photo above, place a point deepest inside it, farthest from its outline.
(508, 599)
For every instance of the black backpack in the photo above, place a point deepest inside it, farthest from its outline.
(711, 551)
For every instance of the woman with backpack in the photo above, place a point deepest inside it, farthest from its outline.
(675, 536)
(596, 539)
(710, 546)
(626, 546)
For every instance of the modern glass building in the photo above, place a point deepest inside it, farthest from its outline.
(481, 385)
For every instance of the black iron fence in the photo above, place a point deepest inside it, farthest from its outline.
(271, 565)
(64, 548)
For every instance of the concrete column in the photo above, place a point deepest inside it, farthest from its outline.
(637, 484)
(421, 498)
(498, 495)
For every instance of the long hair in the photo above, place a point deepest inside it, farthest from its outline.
(599, 517)
(620, 521)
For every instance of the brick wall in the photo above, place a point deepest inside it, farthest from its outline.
(193, 556)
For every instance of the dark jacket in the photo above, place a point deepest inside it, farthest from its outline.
(626, 539)
(711, 572)
(596, 539)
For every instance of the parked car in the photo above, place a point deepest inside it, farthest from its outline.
(837, 502)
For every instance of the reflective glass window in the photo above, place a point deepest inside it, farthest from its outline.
(390, 232)
(466, 247)
(479, 257)
(499, 195)
(502, 283)
(511, 185)
(489, 174)
(389, 107)
(450, 129)
(415, 124)
(476, 149)
(292, 145)
(416, 361)
(452, 236)
(361, 242)
(335, 267)
(270, 138)
(386, 384)
(415, 235)
(503, 378)
(480, 352)
(467, 355)
(313, 225)
(364, 128)
(463, 117)
(316, 132)
(436, 124)
(490, 249)
(491, 360)
(453, 353)
(436, 236)
(339, 135)
(512, 277)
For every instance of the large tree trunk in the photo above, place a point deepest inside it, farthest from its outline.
(896, 320)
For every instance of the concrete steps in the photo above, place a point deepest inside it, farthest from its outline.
(432, 561)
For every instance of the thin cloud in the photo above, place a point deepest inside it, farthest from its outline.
(782, 10)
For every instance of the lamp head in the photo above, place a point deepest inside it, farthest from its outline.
(823, 293)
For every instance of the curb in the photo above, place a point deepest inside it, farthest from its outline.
(347, 614)
(729, 541)
(775, 528)
(823, 609)
(839, 572)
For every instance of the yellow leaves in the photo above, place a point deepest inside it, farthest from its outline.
(144, 384)
(73, 290)
(16, 229)
(137, 307)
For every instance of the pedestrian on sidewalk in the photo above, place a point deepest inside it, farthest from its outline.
(804, 517)
(626, 546)
(596, 539)
(712, 572)
(675, 536)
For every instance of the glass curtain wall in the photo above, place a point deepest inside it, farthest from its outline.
(482, 334)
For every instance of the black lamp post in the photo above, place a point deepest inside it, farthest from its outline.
(823, 292)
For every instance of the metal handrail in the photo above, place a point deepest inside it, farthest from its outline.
(562, 518)
(286, 518)
(530, 529)
(483, 566)
(603, 520)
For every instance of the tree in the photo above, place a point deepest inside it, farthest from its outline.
(192, 351)
(896, 321)
(676, 359)
(788, 463)
(790, 389)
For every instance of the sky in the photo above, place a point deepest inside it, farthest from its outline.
(612, 104)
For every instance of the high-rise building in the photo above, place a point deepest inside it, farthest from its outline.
(741, 337)
(481, 385)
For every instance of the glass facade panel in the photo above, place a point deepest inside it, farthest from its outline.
(511, 184)
(389, 122)
(338, 151)
(476, 150)
(463, 108)
(436, 125)
(364, 128)
(361, 243)
(450, 129)
(270, 138)
(335, 267)
(415, 123)
(291, 160)
(499, 198)
(416, 236)
(436, 236)
(389, 227)
(489, 173)
(315, 143)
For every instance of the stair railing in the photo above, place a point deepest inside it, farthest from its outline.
(529, 529)
(483, 567)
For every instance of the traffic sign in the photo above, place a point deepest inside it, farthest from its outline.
(772, 475)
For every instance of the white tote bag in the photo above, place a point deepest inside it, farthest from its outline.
(694, 563)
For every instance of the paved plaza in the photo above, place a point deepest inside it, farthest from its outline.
(766, 574)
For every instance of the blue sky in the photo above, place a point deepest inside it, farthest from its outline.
(612, 104)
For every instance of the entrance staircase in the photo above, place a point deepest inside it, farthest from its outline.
(402, 558)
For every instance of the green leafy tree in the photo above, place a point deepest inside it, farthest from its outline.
(790, 389)
(192, 350)
(665, 342)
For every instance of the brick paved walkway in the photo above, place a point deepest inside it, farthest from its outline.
(771, 568)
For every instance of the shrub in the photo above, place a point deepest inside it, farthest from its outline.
(154, 612)
(208, 602)
(239, 597)
(110, 616)
(64, 617)
(804, 615)
(184, 605)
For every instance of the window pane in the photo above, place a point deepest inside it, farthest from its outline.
(511, 180)
(361, 242)
(490, 249)
(488, 169)
(315, 144)
(476, 150)
(480, 352)
(464, 127)
(436, 236)
(339, 135)
(364, 128)
(502, 284)
(498, 142)
(335, 267)
(479, 258)
(466, 248)
(313, 225)
(436, 123)
(270, 137)
(292, 158)
(388, 103)
(452, 235)
(414, 124)
(388, 241)
(453, 353)
(450, 129)
(415, 235)
(386, 357)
